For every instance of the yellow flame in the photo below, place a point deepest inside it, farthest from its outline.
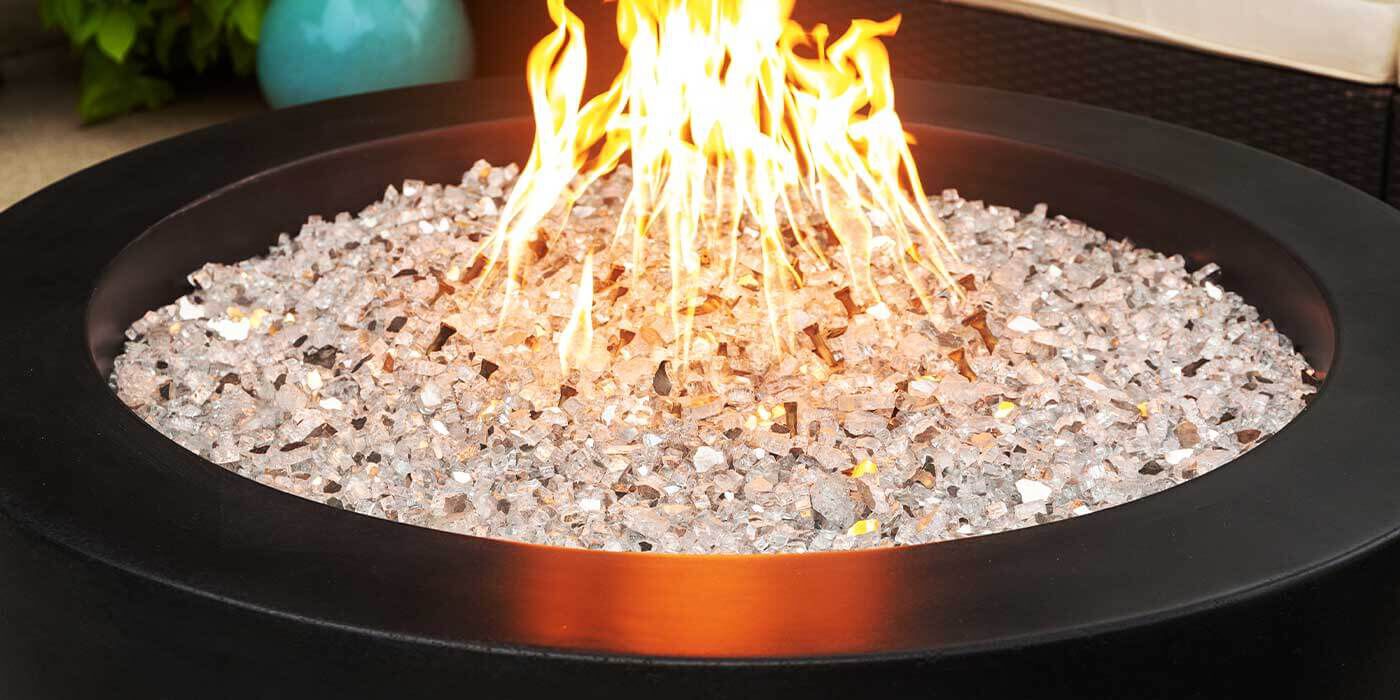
(764, 416)
(865, 467)
(576, 341)
(732, 114)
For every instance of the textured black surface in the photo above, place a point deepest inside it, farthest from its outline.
(1334, 126)
(1392, 180)
(1337, 127)
(130, 567)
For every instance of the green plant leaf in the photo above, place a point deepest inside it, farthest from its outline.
(117, 33)
(128, 45)
(243, 54)
(214, 9)
(154, 92)
(141, 14)
(86, 29)
(166, 33)
(63, 14)
(247, 16)
(109, 89)
(204, 42)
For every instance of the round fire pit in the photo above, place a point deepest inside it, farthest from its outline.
(130, 564)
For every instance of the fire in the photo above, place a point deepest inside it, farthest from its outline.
(731, 113)
(576, 341)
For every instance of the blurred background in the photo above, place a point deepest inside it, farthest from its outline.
(1310, 80)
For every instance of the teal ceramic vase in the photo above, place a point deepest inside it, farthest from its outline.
(317, 49)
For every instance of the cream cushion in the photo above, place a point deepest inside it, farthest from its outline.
(1348, 39)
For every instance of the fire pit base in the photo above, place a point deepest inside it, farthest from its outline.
(128, 565)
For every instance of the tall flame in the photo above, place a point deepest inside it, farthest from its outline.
(727, 123)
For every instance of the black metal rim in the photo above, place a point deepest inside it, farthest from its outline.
(84, 473)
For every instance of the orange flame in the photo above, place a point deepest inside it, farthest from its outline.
(728, 125)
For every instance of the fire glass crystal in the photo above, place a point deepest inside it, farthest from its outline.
(353, 365)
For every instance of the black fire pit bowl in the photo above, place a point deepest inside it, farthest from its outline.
(130, 565)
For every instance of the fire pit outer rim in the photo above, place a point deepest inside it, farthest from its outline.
(58, 400)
